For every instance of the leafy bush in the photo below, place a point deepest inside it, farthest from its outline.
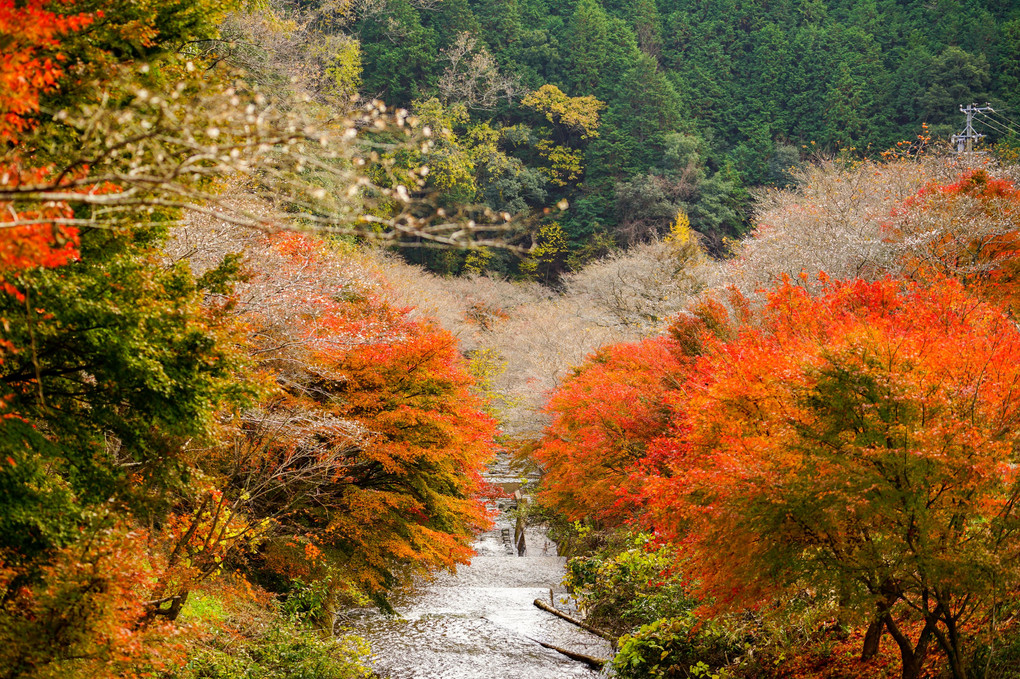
(999, 657)
(283, 651)
(620, 590)
(675, 647)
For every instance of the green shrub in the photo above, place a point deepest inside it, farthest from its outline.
(673, 648)
(286, 651)
(621, 590)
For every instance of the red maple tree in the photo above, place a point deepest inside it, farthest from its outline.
(861, 442)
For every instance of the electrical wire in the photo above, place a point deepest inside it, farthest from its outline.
(993, 125)
(998, 126)
(982, 118)
(1002, 119)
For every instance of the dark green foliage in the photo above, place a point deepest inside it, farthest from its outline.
(119, 367)
(513, 188)
(645, 108)
(675, 648)
(755, 81)
(38, 508)
(956, 76)
(622, 587)
(279, 650)
(400, 55)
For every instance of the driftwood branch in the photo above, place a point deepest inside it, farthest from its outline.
(595, 663)
(587, 628)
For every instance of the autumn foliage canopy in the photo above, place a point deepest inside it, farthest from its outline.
(858, 442)
(266, 417)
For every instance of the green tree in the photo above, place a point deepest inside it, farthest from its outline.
(401, 55)
(601, 49)
(858, 82)
(644, 108)
(587, 46)
(958, 78)
(647, 26)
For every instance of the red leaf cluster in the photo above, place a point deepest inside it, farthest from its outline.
(30, 59)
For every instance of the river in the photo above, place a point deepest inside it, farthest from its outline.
(481, 623)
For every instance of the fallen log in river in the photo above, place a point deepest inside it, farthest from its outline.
(595, 663)
(588, 628)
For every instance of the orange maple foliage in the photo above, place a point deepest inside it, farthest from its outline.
(83, 614)
(30, 67)
(862, 442)
(29, 238)
(415, 484)
(374, 404)
(604, 416)
(30, 59)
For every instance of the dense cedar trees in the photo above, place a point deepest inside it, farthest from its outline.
(766, 84)
(400, 75)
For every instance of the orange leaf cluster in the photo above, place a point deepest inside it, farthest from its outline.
(84, 612)
(825, 391)
(39, 242)
(604, 416)
(30, 59)
(379, 402)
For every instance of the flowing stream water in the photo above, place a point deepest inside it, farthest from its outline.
(481, 623)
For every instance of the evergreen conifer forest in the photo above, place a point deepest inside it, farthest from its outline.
(281, 282)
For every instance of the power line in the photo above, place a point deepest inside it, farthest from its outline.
(1002, 118)
(1005, 122)
(995, 126)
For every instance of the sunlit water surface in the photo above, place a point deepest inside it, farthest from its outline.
(482, 622)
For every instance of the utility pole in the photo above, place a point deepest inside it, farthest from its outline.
(965, 141)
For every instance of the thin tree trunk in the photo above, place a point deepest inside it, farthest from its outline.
(951, 645)
(873, 638)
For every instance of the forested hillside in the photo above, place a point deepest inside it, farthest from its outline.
(634, 111)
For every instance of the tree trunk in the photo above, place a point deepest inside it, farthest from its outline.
(950, 643)
(912, 655)
(583, 625)
(155, 608)
(873, 638)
